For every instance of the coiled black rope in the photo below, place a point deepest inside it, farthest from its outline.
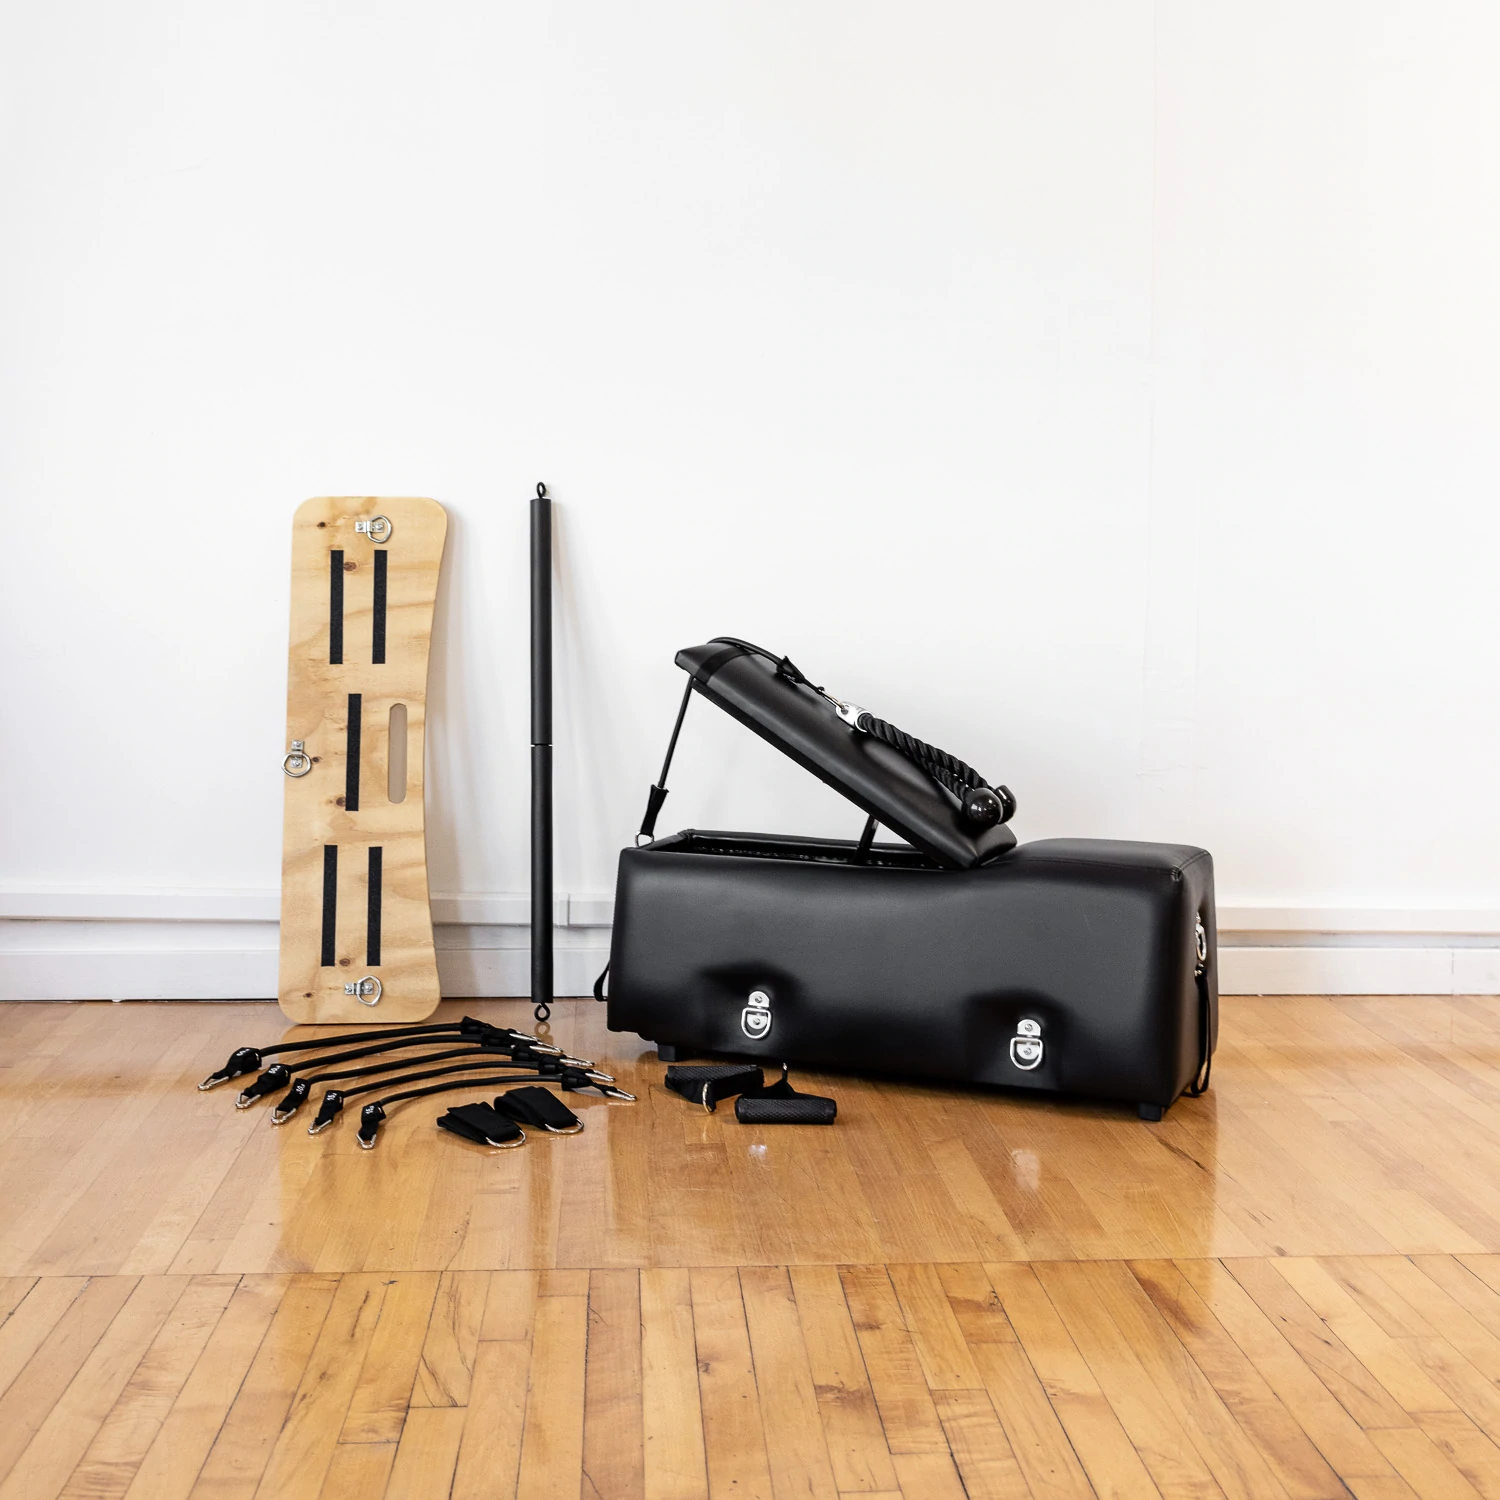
(982, 804)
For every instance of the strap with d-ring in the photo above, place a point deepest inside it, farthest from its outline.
(535, 1106)
(573, 1081)
(708, 1083)
(482, 1124)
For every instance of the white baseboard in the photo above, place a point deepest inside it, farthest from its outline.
(182, 971)
(74, 943)
(1359, 971)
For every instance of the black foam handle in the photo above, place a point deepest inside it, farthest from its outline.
(798, 1109)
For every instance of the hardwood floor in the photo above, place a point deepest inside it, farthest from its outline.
(1290, 1287)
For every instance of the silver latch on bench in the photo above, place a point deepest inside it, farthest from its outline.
(1026, 1045)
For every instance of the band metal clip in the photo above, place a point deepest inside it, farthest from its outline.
(850, 713)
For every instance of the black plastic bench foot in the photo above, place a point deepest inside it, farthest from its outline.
(1149, 1111)
(668, 1054)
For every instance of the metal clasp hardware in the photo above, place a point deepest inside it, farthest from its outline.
(377, 528)
(755, 1019)
(367, 990)
(1201, 933)
(297, 762)
(1026, 1045)
(848, 712)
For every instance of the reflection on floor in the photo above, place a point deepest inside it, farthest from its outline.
(1284, 1288)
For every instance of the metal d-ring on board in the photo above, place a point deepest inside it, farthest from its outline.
(377, 528)
(297, 762)
(367, 990)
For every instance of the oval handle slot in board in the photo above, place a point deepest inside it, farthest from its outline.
(396, 754)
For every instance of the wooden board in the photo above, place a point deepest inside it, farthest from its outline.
(354, 903)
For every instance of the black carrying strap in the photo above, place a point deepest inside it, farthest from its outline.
(483, 1125)
(709, 1083)
(1199, 1086)
(599, 994)
(781, 1104)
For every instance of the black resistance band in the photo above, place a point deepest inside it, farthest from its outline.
(335, 1099)
(279, 1073)
(247, 1059)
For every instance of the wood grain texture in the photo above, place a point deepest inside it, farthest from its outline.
(315, 811)
(194, 1305)
(118, 1166)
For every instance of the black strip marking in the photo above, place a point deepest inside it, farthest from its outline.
(377, 628)
(336, 608)
(330, 903)
(372, 915)
(351, 755)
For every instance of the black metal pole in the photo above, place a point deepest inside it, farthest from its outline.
(541, 753)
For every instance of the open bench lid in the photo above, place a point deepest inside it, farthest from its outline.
(749, 685)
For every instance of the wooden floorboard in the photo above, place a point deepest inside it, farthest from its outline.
(1288, 1288)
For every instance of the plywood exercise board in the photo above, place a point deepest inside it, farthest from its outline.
(356, 926)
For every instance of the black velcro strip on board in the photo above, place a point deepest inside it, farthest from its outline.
(372, 917)
(377, 627)
(336, 608)
(330, 904)
(351, 754)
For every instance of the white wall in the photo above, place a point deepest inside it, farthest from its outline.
(1105, 391)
